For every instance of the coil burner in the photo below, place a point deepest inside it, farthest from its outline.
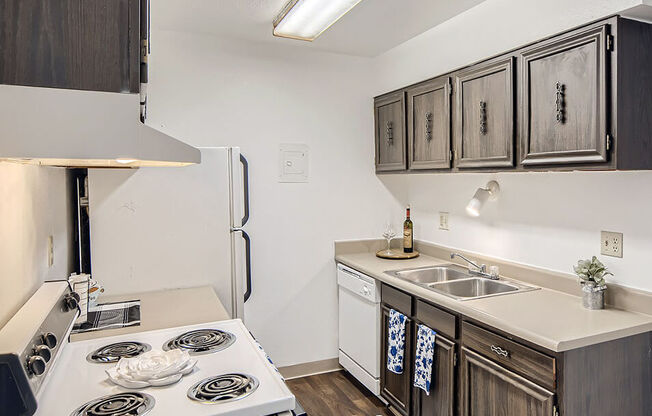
(223, 388)
(123, 404)
(201, 341)
(113, 352)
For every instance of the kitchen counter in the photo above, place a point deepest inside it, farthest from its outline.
(549, 318)
(165, 309)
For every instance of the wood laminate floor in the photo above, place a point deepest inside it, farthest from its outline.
(335, 394)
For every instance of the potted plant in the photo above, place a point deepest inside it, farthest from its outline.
(591, 274)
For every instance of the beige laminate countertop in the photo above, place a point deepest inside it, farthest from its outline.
(165, 309)
(554, 320)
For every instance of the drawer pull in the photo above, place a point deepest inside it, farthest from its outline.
(428, 126)
(483, 117)
(389, 133)
(499, 351)
(560, 102)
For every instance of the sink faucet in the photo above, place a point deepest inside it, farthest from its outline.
(480, 270)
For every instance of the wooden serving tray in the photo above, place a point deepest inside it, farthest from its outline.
(396, 254)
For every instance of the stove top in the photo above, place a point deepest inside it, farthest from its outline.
(121, 404)
(246, 384)
(223, 388)
(201, 341)
(112, 353)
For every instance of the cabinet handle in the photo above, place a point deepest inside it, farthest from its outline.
(483, 117)
(428, 126)
(499, 351)
(389, 133)
(560, 102)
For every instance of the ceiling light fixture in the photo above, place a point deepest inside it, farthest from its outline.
(490, 192)
(307, 19)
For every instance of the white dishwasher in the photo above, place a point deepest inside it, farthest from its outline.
(359, 326)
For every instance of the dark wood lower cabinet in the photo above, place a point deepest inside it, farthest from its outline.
(483, 371)
(396, 388)
(441, 400)
(489, 389)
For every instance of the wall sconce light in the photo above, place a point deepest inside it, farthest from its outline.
(490, 192)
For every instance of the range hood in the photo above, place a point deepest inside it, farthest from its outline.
(57, 127)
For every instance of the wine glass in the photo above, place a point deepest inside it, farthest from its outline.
(388, 234)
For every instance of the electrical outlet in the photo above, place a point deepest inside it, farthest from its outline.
(611, 244)
(50, 251)
(443, 221)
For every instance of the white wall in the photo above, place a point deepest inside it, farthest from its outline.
(33, 206)
(216, 92)
(544, 219)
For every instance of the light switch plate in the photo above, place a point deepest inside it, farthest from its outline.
(611, 244)
(443, 221)
(293, 163)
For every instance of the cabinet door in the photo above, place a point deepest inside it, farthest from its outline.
(484, 121)
(396, 388)
(429, 124)
(564, 99)
(390, 132)
(77, 44)
(491, 390)
(441, 400)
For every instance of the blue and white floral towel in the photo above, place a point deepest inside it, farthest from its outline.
(424, 358)
(395, 341)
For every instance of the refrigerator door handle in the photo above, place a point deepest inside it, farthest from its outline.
(247, 263)
(245, 185)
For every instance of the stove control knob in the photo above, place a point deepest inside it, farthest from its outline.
(49, 340)
(36, 364)
(44, 352)
(70, 301)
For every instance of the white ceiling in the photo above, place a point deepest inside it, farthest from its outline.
(371, 28)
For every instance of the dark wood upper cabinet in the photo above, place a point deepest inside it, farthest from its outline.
(389, 117)
(76, 44)
(564, 87)
(489, 389)
(582, 101)
(429, 125)
(484, 121)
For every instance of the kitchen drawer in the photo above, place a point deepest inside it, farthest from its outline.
(532, 364)
(397, 300)
(437, 319)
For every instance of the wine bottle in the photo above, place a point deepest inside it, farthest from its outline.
(407, 232)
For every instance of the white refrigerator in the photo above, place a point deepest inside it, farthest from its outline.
(163, 228)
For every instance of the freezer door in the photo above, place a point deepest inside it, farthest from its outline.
(154, 228)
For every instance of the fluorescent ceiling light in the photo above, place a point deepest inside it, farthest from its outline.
(307, 19)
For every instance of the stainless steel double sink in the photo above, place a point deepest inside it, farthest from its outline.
(457, 282)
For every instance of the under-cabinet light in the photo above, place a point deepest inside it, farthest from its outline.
(307, 19)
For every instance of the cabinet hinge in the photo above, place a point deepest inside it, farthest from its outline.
(450, 87)
(610, 42)
(450, 155)
(555, 411)
(455, 359)
(608, 141)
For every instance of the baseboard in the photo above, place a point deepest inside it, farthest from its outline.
(310, 369)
